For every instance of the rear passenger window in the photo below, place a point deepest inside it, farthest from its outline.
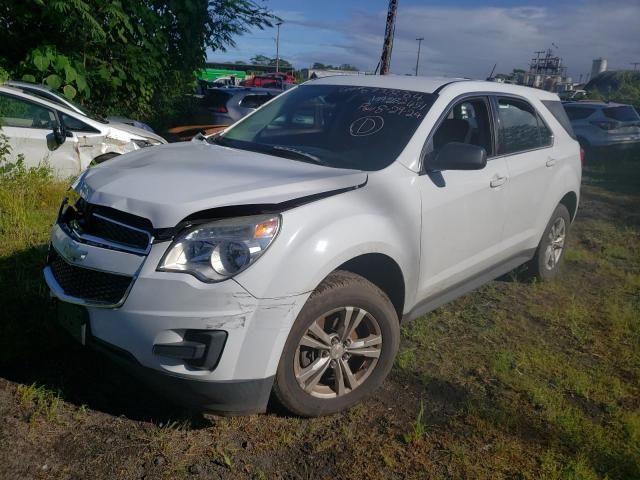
(521, 128)
(254, 101)
(578, 113)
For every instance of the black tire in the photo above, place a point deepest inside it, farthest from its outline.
(103, 158)
(542, 267)
(339, 291)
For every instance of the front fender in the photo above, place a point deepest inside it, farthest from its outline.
(315, 239)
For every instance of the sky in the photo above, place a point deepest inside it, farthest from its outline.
(461, 37)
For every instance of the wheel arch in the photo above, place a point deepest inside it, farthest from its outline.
(384, 272)
(570, 200)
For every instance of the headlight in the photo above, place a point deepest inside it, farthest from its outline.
(144, 143)
(218, 250)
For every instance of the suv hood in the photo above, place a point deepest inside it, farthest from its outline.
(170, 182)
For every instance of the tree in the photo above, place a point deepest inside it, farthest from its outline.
(265, 61)
(134, 57)
(345, 66)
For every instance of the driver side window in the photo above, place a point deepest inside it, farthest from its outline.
(468, 121)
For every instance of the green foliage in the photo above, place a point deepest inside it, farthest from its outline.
(345, 66)
(624, 87)
(419, 429)
(133, 58)
(263, 60)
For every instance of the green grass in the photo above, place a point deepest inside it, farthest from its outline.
(38, 401)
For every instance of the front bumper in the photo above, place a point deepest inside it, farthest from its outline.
(160, 307)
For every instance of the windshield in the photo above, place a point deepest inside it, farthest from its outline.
(355, 127)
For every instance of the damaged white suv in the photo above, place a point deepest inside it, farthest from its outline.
(282, 255)
(43, 131)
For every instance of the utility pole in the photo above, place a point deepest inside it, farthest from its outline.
(635, 65)
(278, 48)
(387, 46)
(418, 59)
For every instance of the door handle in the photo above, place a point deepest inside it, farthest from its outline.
(497, 181)
(551, 162)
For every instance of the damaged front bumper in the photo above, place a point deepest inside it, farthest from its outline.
(158, 329)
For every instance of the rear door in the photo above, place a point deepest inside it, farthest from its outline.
(525, 142)
(463, 212)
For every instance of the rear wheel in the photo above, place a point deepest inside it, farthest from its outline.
(340, 349)
(547, 261)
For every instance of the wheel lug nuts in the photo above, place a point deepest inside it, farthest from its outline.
(347, 342)
(333, 364)
(334, 341)
(325, 353)
(345, 357)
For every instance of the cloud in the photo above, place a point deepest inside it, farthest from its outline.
(467, 41)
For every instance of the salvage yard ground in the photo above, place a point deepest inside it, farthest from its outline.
(517, 380)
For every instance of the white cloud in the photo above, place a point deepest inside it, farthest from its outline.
(469, 40)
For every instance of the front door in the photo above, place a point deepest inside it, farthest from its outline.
(463, 212)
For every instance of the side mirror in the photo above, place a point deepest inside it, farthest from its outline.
(59, 134)
(459, 156)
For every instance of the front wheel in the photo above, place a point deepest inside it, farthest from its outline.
(340, 349)
(546, 263)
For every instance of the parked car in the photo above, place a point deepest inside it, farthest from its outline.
(42, 130)
(228, 105)
(270, 80)
(604, 127)
(186, 133)
(284, 253)
(43, 91)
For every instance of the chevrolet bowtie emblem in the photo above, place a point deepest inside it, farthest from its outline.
(73, 253)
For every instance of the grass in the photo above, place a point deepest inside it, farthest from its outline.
(39, 401)
(516, 380)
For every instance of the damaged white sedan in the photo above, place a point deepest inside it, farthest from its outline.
(44, 132)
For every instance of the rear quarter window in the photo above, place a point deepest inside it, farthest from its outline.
(255, 101)
(622, 114)
(561, 114)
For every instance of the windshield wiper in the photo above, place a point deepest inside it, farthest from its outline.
(299, 153)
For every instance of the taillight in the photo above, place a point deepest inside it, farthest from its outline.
(219, 109)
(606, 125)
(582, 156)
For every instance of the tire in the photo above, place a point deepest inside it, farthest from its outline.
(547, 261)
(341, 299)
(103, 158)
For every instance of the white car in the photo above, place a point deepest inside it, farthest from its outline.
(284, 254)
(43, 91)
(44, 131)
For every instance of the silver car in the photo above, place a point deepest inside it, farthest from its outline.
(228, 105)
(604, 127)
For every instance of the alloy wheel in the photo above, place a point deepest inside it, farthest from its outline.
(338, 352)
(557, 235)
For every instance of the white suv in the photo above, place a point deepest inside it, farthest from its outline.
(283, 254)
(44, 131)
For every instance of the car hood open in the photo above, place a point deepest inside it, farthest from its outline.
(168, 183)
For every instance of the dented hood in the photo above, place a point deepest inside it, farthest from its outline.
(170, 182)
(123, 131)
